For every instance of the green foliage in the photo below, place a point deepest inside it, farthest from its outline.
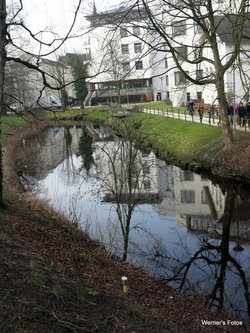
(85, 148)
(79, 71)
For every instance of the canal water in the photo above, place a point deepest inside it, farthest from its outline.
(184, 228)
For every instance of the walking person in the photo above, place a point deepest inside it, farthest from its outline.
(190, 108)
(241, 114)
(201, 112)
(248, 114)
(211, 111)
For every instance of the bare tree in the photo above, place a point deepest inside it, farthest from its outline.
(128, 176)
(190, 35)
(10, 26)
(218, 259)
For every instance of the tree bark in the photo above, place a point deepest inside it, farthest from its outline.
(3, 31)
(223, 113)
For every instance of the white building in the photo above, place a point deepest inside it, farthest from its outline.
(121, 62)
(26, 88)
(132, 63)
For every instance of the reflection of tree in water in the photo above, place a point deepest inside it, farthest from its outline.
(85, 148)
(218, 260)
(127, 178)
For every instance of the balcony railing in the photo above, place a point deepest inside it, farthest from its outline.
(116, 91)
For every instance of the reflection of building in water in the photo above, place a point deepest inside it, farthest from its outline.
(199, 203)
(126, 170)
(167, 205)
(200, 206)
(50, 149)
(98, 132)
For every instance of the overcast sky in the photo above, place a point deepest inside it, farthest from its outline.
(57, 15)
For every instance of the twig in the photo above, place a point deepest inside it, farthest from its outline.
(75, 327)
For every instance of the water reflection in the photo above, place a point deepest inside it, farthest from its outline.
(183, 227)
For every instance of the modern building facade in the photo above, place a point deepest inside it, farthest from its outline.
(131, 63)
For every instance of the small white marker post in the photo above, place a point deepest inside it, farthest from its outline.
(125, 284)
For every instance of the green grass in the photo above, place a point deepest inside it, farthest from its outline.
(179, 138)
(13, 121)
(67, 114)
(182, 139)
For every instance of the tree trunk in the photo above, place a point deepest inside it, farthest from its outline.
(223, 113)
(2, 66)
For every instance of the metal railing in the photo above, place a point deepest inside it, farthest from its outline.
(183, 114)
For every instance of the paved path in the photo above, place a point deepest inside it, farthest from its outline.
(188, 117)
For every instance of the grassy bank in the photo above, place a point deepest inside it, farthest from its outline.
(172, 139)
(185, 143)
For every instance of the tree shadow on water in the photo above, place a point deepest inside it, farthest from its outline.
(216, 257)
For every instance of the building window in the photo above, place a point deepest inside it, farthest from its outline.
(125, 49)
(126, 66)
(197, 52)
(123, 33)
(138, 65)
(177, 4)
(203, 198)
(179, 28)
(199, 95)
(199, 74)
(187, 175)
(86, 41)
(187, 196)
(181, 52)
(166, 62)
(167, 80)
(197, 28)
(146, 169)
(179, 78)
(147, 184)
(137, 47)
(136, 31)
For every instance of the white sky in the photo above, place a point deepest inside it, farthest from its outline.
(57, 15)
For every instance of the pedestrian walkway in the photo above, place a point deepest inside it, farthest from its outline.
(184, 116)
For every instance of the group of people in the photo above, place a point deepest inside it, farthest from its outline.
(241, 112)
(212, 111)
